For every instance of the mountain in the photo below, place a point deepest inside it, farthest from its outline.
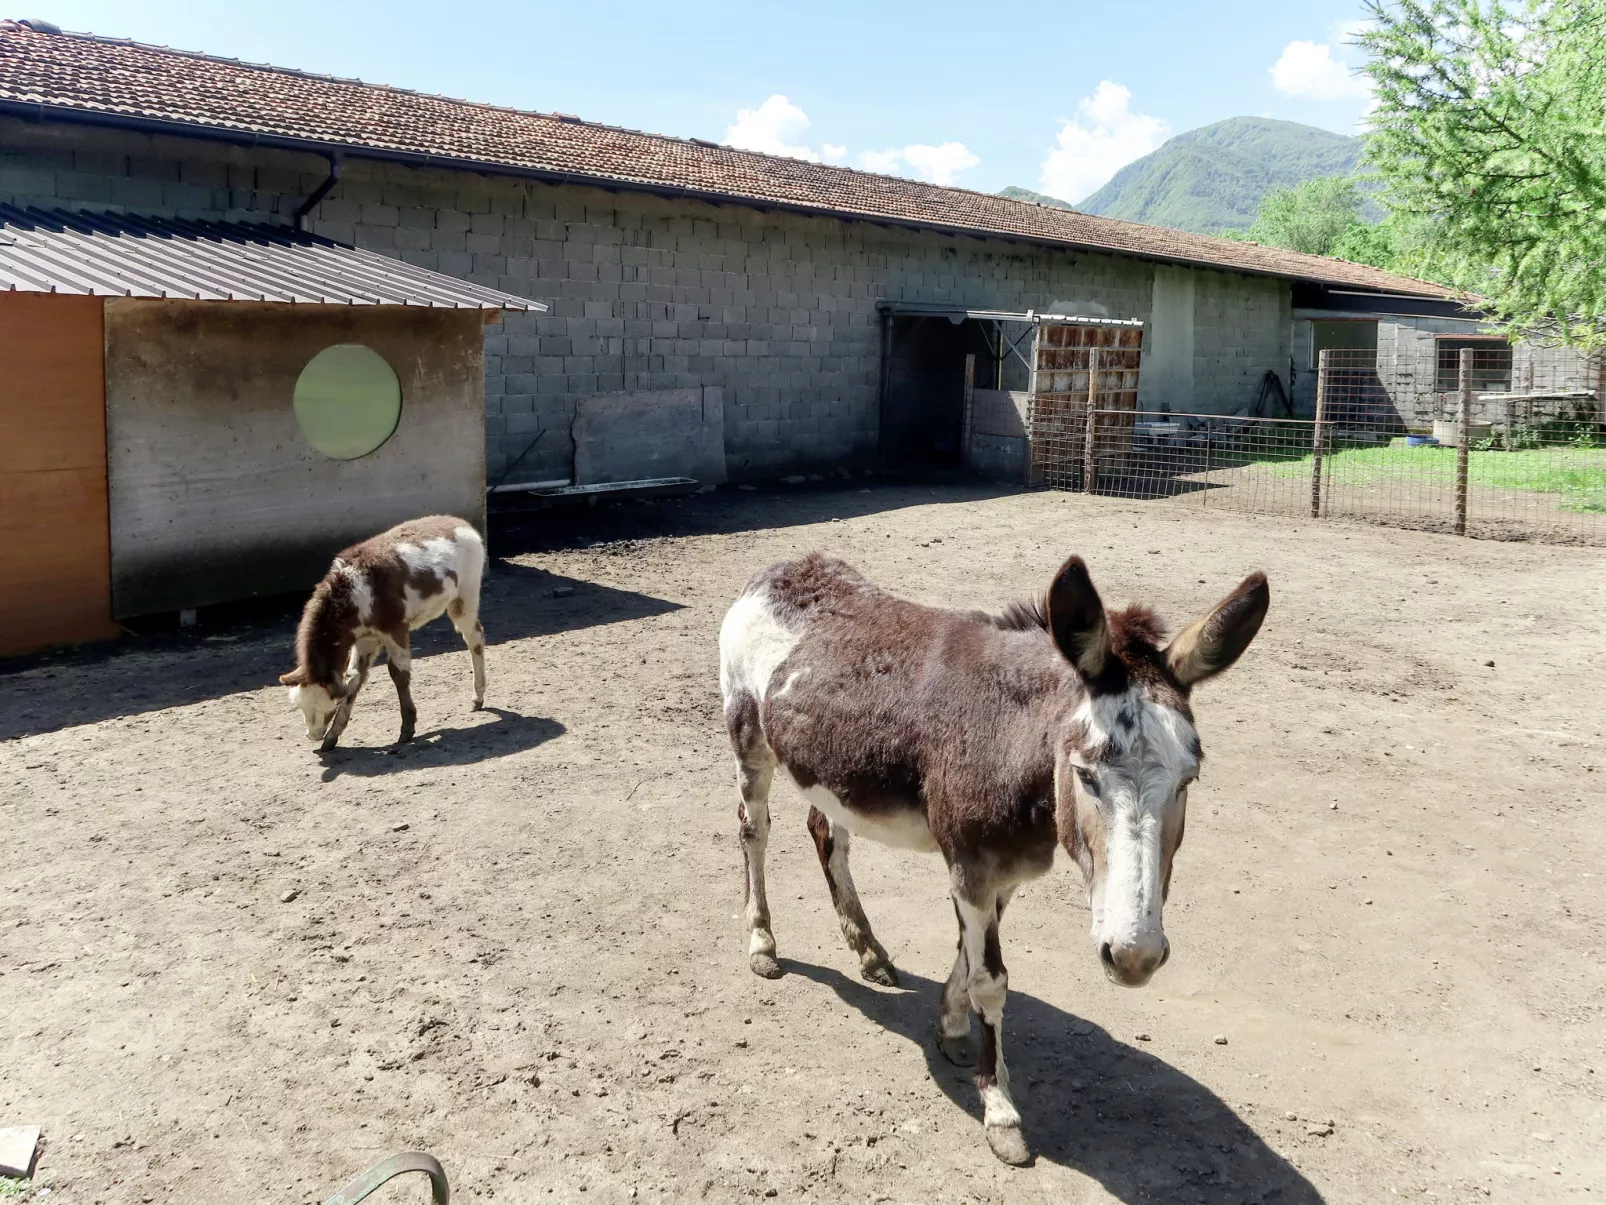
(1212, 179)
(1016, 193)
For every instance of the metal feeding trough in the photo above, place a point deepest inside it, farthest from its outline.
(1157, 432)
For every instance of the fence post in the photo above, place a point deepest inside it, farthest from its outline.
(1090, 468)
(1323, 368)
(968, 424)
(1463, 428)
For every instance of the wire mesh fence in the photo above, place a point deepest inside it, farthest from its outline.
(1492, 462)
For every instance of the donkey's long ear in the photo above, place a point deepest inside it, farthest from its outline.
(1216, 639)
(296, 677)
(1076, 619)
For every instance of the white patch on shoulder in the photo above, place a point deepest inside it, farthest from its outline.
(362, 592)
(903, 829)
(752, 643)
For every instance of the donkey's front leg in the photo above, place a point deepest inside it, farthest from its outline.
(362, 660)
(399, 660)
(988, 984)
(953, 1017)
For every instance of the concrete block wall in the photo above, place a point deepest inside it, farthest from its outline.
(1241, 328)
(648, 293)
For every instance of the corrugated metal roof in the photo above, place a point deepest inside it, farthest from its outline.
(954, 313)
(122, 255)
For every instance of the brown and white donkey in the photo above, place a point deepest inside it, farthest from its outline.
(373, 596)
(989, 739)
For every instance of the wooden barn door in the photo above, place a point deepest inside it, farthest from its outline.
(1078, 366)
(53, 473)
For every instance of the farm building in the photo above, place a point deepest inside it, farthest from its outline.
(195, 413)
(1409, 348)
(799, 315)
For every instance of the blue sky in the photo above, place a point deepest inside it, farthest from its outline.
(1051, 97)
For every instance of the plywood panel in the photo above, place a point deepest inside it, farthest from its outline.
(1059, 405)
(216, 495)
(53, 519)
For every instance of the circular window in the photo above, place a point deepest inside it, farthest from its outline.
(348, 401)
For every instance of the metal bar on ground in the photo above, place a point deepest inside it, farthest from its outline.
(1463, 428)
(525, 487)
(644, 486)
(1090, 468)
(397, 1165)
(1323, 369)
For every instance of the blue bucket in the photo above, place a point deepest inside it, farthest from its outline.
(1421, 441)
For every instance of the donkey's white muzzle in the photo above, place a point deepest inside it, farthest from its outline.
(1133, 963)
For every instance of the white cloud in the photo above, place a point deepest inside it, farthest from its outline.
(1105, 136)
(1310, 71)
(935, 164)
(776, 127)
(885, 162)
(940, 164)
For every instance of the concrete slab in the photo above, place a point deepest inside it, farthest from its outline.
(18, 1145)
(637, 436)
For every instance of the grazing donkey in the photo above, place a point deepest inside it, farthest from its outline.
(374, 594)
(990, 739)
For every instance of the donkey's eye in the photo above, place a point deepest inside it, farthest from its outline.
(1089, 783)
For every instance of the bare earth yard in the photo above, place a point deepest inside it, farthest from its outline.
(516, 943)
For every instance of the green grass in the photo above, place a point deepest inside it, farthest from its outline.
(1577, 474)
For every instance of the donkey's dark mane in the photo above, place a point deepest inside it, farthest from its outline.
(1022, 616)
(1137, 628)
(322, 636)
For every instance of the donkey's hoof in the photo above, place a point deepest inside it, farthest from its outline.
(329, 742)
(479, 705)
(881, 971)
(406, 736)
(1009, 1145)
(960, 1051)
(764, 966)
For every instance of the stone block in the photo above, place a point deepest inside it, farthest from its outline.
(672, 433)
(19, 1145)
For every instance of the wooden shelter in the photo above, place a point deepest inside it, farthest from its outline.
(195, 413)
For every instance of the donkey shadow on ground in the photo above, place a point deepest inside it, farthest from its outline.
(467, 745)
(246, 647)
(1141, 1128)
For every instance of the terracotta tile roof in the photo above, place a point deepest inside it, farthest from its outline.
(118, 79)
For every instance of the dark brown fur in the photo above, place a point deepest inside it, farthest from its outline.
(970, 722)
(329, 621)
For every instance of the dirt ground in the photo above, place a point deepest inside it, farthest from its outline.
(516, 943)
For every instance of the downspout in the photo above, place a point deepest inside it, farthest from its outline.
(336, 162)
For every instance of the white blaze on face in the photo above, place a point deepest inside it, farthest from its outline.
(316, 707)
(1137, 789)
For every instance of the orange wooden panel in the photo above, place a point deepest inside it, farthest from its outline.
(53, 517)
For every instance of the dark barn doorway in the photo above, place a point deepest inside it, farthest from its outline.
(923, 385)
